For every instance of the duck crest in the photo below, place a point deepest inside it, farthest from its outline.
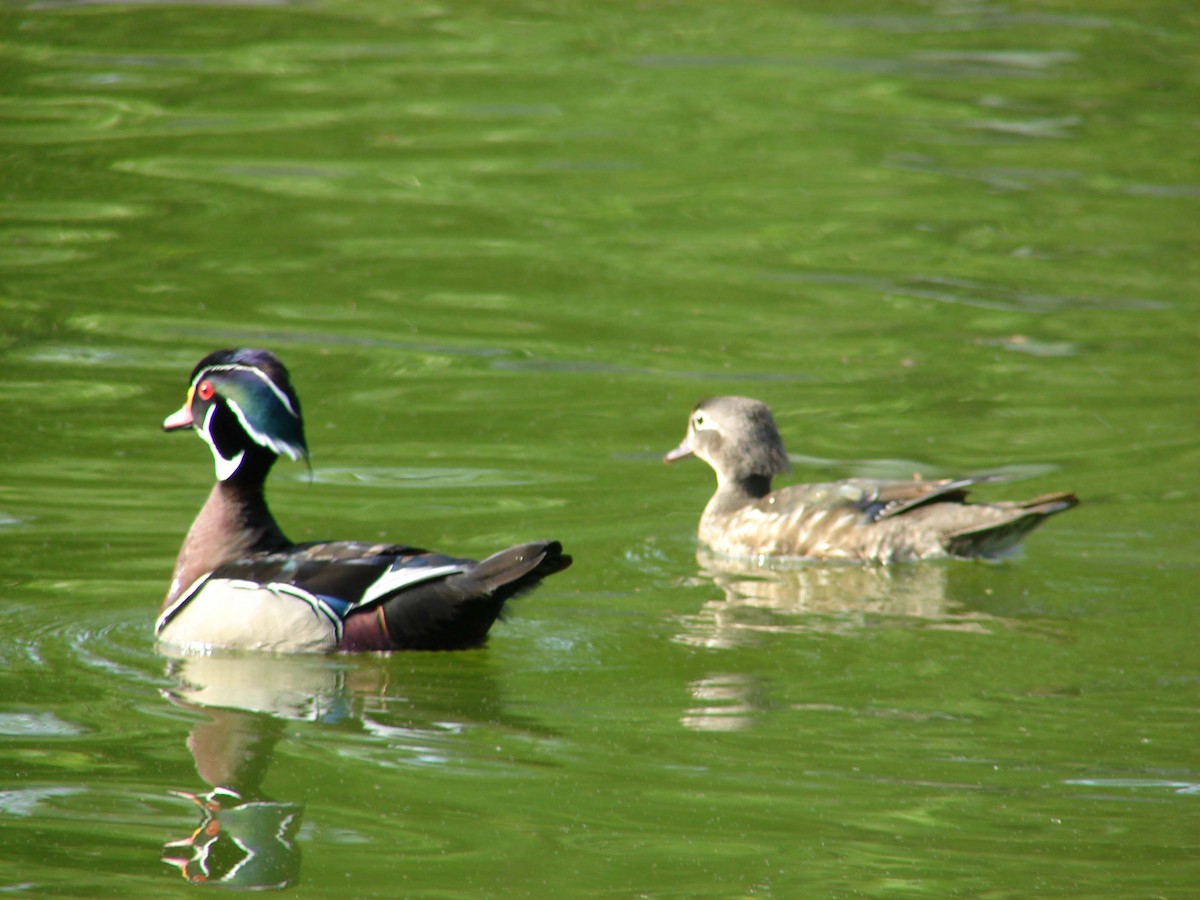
(241, 401)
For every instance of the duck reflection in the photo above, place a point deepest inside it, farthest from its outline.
(240, 842)
(725, 702)
(799, 597)
(247, 840)
(823, 597)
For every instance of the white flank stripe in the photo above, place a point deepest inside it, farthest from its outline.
(179, 601)
(394, 579)
(313, 600)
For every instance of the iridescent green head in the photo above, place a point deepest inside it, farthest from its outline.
(242, 403)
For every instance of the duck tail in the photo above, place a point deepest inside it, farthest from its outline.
(1000, 536)
(456, 612)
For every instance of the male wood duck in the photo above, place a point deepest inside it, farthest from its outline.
(240, 583)
(856, 519)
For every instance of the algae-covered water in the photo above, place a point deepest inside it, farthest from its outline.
(504, 248)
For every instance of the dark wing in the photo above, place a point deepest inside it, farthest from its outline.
(895, 498)
(345, 574)
(456, 612)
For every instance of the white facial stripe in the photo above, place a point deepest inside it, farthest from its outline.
(237, 367)
(225, 467)
(261, 437)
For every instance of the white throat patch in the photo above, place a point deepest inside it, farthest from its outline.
(225, 467)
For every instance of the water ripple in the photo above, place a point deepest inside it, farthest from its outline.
(120, 647)
(1188, 788)
(967, 292)
(38, 724)
(432, 478)
(70, 211)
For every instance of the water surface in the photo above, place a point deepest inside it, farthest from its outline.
(503, 250)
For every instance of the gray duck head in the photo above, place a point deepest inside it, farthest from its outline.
(737, 437)
(242, 404)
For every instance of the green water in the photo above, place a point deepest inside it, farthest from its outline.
(503, 249)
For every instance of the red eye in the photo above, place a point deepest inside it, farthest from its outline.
(204, 390)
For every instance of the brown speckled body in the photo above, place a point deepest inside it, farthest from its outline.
(856, 519)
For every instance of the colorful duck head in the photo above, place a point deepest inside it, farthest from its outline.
(242, 404)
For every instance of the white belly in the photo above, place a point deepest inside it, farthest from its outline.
(242, 615)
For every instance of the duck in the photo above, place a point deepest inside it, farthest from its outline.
(240, 584)
(857, 519)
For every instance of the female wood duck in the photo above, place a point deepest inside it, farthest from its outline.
(240, 583)
(857, 519)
